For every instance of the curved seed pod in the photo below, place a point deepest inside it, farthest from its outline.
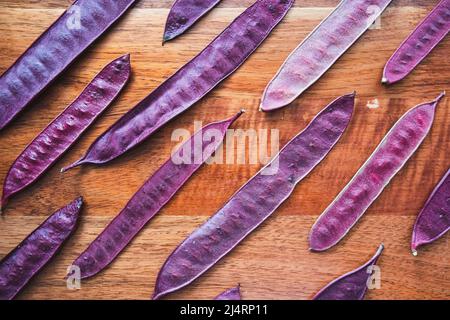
(65, 130)
(320, 50)
(33, 253)
(230, 294)
(150, 198)
(434, 219)
(390, 156)
(353, 285)
(183, 14)
(189, 84)
(256, 200)
(50, 54)
(419, 44)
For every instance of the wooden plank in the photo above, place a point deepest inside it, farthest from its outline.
(389, 220)
(281, 266)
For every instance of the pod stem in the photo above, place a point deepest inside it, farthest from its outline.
(73, 165)
(439, 98)
(237, 115)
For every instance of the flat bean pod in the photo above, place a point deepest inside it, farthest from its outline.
(50, 54)
(353, 285)
(33, 253)
(390, 156)
(428, 34)
(256, 200)
(65, 130)
(190, 83)
(433, 220)
(150, 198)
(185, 13)
(320, 50)
(230, 294)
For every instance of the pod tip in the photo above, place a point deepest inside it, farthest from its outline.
(442, 95)
(263, 106)
(73, 165)
(237, 116)
(79, 202)
(414, 252)
(384, 80)
(126, 57)
(156, 296)
(166, 38)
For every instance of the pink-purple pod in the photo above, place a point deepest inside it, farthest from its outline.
(32, 254)
(50, 54)
(390, 156)
(151, 197)
(230, 294)
(184, 14)
(428, 34)
(352, 285)
(65, 130)
(434, 219)
(253, 203)
(193, 81)
(320, 50)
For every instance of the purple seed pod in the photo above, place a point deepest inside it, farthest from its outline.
(33, 253)
(390, 156)
(65, 130)
(353, 285)
(230, 294)
(150, 198)
(320, 50)
(190, 83)
(434, 219)
(256, 200)
(50, 54)
(184, 14)
(432, 30)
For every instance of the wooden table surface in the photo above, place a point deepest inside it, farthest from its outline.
(274, 261)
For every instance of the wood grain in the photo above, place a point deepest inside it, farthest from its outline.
(281, 266)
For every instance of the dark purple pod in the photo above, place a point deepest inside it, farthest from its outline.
(230, 294)
(183, 14)
(65, 130)
(320, 50)
(33, 253)
(190, 83)
(386, 161)
(50, 54)
(256, 200)
(151, 197)
(353, 285)
(428, 34)
(434, 219)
